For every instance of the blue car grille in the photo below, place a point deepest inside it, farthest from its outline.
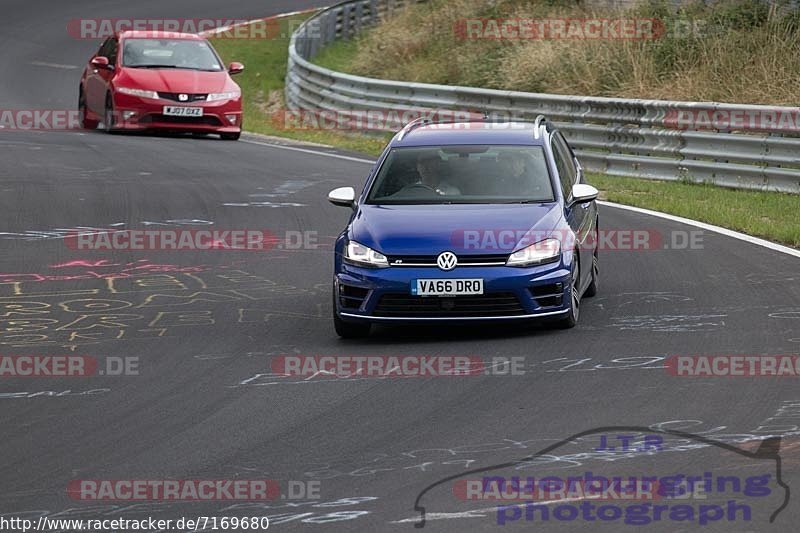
(489, 305)
(463, 260)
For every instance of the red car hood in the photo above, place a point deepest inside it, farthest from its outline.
(174, 80)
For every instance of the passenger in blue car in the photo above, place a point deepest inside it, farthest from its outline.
(429, 168)
(515, 176)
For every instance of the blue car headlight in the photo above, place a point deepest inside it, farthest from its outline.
(542, 252)
(358, 254)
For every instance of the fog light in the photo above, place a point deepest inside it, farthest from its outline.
(231, 118)
(127, 115)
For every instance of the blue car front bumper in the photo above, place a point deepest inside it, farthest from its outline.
(385, 294)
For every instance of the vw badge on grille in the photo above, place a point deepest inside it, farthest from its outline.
(447, 260)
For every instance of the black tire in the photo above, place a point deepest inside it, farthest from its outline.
(108, 117)
(591, 290)
(349, 330)
(573, 314)
(230, 136)
(85, 123)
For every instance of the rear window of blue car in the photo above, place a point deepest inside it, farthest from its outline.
(463, 174)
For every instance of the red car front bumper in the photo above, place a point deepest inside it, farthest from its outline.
(135, 114)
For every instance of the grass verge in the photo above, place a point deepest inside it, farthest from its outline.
(262, 85)
(769, 215)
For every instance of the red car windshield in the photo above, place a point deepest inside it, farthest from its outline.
(170, 53)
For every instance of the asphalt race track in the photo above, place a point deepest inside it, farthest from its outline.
(205, 326)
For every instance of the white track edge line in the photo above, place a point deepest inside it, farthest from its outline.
(223, 29)
(307, 151)
(708, 227)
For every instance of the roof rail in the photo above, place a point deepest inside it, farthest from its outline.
(416, 123)
(540, 120)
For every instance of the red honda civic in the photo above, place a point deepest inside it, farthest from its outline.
(149, 80)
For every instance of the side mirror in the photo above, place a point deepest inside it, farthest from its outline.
(343, 197)
(100, 62)
(583, 193)
(235, 68)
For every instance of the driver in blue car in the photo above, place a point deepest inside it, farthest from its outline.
(429, 168)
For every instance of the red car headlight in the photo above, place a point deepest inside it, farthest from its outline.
(216, 97)
(141, 93)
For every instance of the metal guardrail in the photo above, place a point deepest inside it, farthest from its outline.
(624, 137)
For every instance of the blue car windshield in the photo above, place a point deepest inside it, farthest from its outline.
(481, 174)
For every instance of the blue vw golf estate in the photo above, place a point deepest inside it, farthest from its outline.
(467, 221)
